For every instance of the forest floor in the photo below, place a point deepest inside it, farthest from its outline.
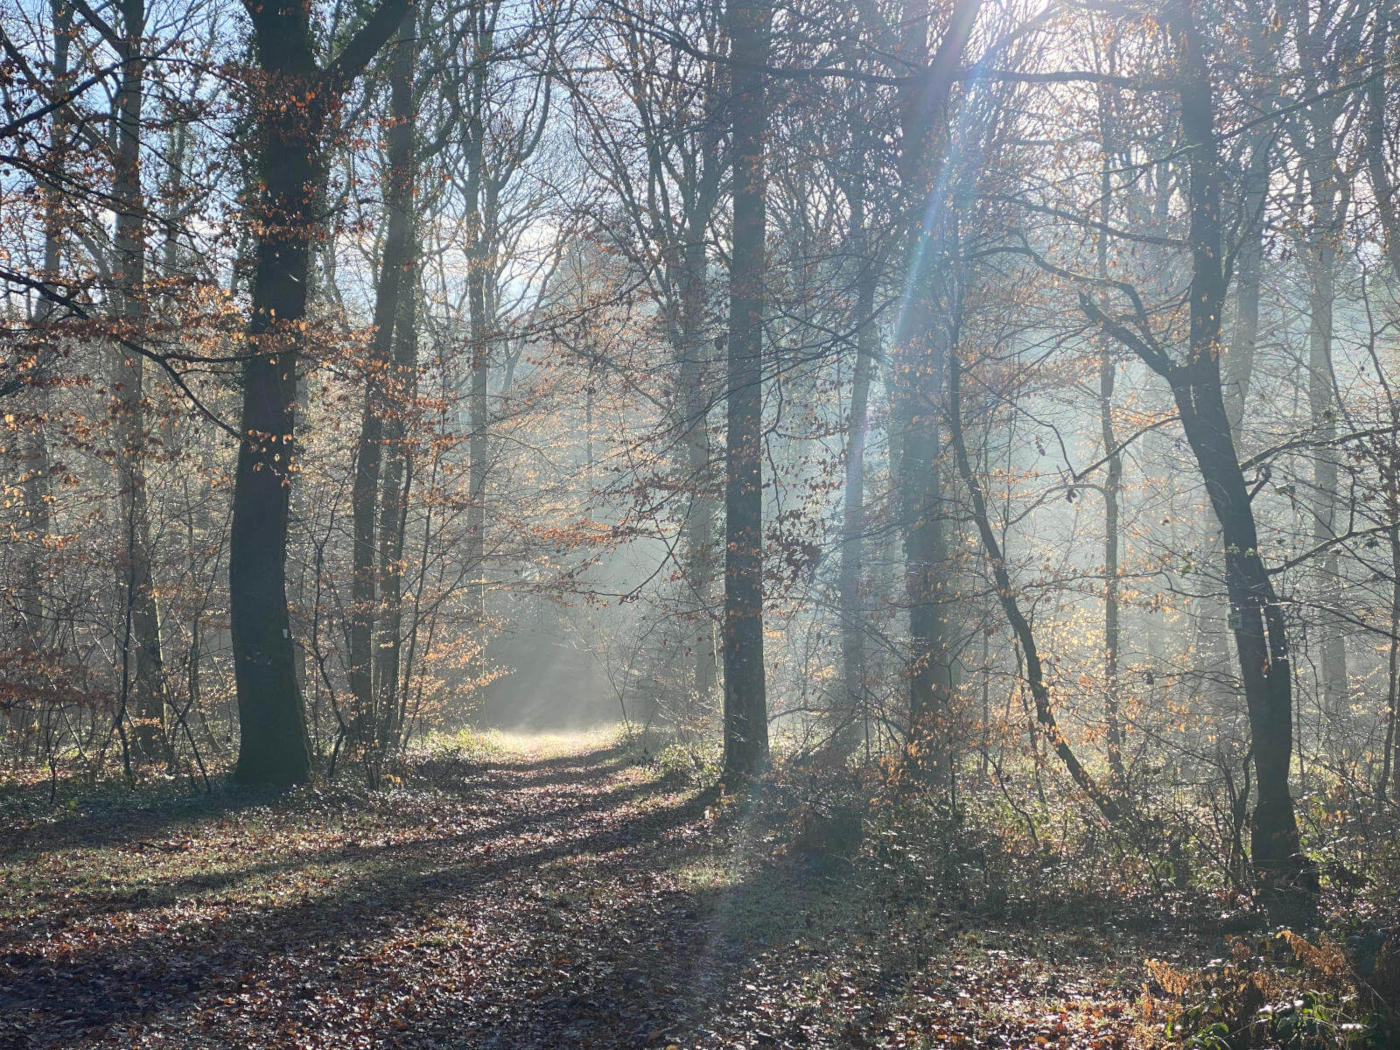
(537, 897)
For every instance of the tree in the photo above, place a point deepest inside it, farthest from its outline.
(853, 507)
(1260, 630)
(143, 666)
(749, 24)
(393, 323)
(920, 363)
(665, 170)
(296, 100)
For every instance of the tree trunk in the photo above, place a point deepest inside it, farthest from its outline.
(35, 486)
(393, 514)
(295, 102)
(745, 701)
(1322, 266)
(1239, 357)
(273, 748)
(478, 261)
(919, 373)
(398, 203)
(142, 661)
(695, 401)
(1020, 626)
(1286, 876)
(1383, 187)
(1113, 479)
(852, 572)
(1390, 768)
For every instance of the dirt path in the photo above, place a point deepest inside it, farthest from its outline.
(567, 901)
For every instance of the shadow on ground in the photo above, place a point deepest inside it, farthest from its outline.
(525, 902)
(571, 901)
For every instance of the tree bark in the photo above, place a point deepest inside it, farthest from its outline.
(920, 374)
(1239, 357)
(393, 514)
(481, 325)
(1113, 478)
(143, 665)
(1323, 411)
(35, 486)
(749, 24)
(1383, 187)
(852, 571)
(295, 103)
(394, 263)
(1020, 626)
(1287, 877)
(695, 396)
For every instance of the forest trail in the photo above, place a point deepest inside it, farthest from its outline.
(539, 900)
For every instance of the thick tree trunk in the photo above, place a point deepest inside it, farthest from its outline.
(745, 700)
(919, 373)
(295, 100)
(143, 666)
(273, 748)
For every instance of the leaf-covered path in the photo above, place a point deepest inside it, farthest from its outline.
(564, 901)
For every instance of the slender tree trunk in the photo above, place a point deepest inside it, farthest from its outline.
(393, 514)
(1286, 875)
(695, 401)
(1388, 209)
(478, 261)
(1322, 406)
(398, 204)
(745, 701)
(1390, 767)
(1006, 595)
(1113, 479)
(1112, 628)
(1379, 123)
(145, 661)
(35, 486)
(477, 447)
(1239, 357)
(852, 571)
(1261, 635)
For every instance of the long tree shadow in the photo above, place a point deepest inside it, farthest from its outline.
(117, 821)
(61, 907)
(156, 974)
(665, 966)
(123, 819)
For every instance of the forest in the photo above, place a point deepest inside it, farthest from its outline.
(669, 524)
